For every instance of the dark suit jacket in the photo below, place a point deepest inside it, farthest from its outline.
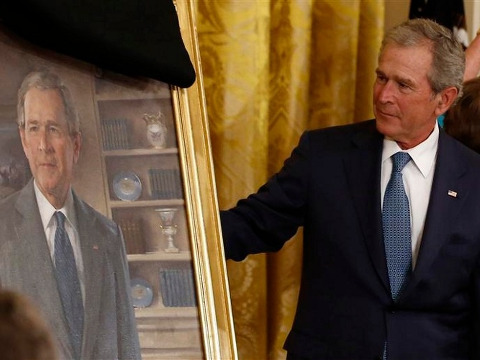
(26, 266)
(331, 186)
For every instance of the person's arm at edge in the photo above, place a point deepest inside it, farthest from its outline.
(472, 58)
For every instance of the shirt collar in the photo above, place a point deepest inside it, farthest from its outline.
(423, 155)
(47, 210)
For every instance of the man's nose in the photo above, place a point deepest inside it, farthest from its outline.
(44, 142)
(386, 92)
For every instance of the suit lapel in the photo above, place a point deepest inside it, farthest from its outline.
(38, 265)
(363, 168)
(442, 207)
(93, 262)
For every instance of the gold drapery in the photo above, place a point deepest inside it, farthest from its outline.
(271, 70)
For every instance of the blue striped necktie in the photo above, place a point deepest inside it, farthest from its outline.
(396, 229)
(68, 284)
(396, 226)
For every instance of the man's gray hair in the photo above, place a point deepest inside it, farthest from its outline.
(448, 65)
(44, 80)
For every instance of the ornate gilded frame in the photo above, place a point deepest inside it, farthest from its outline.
(218, 331)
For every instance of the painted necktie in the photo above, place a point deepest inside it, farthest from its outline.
(68, 284)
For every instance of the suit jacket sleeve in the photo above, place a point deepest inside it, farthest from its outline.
(128, 345)
(264, 221)
(476, 311)
(111, 332)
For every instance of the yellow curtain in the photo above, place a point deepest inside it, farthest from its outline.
(273, 69)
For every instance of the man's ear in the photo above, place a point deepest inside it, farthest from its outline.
(21, 130)
(446, 99)
(77, 145)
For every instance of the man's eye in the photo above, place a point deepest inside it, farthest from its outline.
(404, 86)
(32, 128)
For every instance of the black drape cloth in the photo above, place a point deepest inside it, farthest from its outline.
(449, 13)
(131, 37)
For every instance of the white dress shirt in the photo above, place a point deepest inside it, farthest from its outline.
(417, 178)
(47, 213)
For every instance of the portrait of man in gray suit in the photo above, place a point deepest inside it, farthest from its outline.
(54, 247)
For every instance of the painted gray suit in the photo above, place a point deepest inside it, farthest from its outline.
(26, 266)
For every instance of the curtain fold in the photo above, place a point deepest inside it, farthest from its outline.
(273, 69)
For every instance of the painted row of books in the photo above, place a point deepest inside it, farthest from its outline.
(177, 287)
(132, 235)
(115, 134)
(165, 183)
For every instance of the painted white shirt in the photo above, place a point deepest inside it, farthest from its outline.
(47, 212)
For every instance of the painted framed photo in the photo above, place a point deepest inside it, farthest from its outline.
(145, 164)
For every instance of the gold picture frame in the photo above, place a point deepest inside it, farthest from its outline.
(216, 310)
(115, 111)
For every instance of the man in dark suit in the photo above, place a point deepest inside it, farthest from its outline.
(351, 305)
(45, 227)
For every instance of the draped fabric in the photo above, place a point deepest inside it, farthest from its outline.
(136, 38)
(271, 70)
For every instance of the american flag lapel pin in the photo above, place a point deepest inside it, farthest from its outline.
(452, 193)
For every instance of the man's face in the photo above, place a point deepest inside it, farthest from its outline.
(404, 104)
(50, 150)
